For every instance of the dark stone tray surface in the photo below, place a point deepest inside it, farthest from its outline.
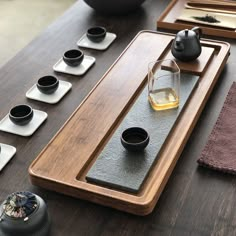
(120, 169)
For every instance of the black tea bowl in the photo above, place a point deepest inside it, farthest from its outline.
(21, 114)
(47, 84)
(96, 34)
(135, 139)
(73, 57)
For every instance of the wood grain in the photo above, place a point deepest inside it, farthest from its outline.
(168, 21)
(195, 201)
(80, 140)
(82, 134)
(197, 66)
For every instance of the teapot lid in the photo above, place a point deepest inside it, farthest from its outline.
(186, 34)
(20, 204)
(24, 213)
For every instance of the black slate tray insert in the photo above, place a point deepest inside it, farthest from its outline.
(117, 168)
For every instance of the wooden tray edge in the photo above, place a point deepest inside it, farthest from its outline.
(164, 25)
(95, 86)
(142, 207)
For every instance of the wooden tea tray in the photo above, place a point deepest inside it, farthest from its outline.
(65, 161)
(168, 21)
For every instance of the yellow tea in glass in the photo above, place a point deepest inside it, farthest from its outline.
(163, 84)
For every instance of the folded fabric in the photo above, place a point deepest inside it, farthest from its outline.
(220, 150)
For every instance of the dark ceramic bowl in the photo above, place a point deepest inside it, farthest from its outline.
(21, 114)
(135, 139)
(73, 57)
(96, 34)
(117, 7)
(35, 222)
(48, 84)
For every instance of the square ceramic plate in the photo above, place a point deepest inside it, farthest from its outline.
(81, 69)
(103, 45)
(7, 152)
(35, 94)
(39, 117)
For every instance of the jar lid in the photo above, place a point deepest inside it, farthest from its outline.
(20, 205)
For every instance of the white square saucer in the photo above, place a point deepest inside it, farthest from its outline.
(7, 125)
(7, 152)
(81, 69)
(103, 45)
(35, 94)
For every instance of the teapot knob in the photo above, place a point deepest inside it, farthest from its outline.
(186, 33)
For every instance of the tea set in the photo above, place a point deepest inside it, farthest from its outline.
(74, 61)
(185, 47)
(25, 212)
(48, 86)
(24, 120)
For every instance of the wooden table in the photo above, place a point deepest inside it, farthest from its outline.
(196, 201)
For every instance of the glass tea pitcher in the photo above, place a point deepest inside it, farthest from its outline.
(163, 84)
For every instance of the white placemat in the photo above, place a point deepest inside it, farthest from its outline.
(103, 45)
(7, 152)
(81, 69)
(35, 94)
(7, 125)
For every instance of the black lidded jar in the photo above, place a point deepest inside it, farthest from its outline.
(24, 213)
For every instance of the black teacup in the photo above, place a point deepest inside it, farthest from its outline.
(135, 139)
(96, 34)
(48, 84)
(21, 114)
(73, 57)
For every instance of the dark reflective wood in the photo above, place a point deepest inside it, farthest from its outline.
(195, 201)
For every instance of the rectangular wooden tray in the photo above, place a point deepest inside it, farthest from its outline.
(65, 161)
(168, 21)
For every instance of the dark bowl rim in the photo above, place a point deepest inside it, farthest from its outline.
(21, 117)
(47, 86)
(73, 58)
(140, 130)
(96, 35)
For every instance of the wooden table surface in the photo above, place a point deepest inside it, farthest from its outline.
(195, 201)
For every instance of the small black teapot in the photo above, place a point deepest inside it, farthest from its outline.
(186, 45)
